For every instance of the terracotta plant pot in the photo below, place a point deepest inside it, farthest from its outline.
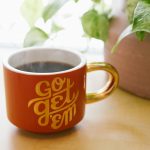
(132, 59)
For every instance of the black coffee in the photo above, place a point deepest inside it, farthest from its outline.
(44, 67)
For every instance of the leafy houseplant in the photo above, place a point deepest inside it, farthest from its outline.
(129, 40)
(95, 20)
(132, 49)
(34, 11)
(130, 46)
(139, 19)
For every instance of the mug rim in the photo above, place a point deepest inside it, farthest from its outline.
(13, 69)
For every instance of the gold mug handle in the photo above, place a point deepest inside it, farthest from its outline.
(110, 86)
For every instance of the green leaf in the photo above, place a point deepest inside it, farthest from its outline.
(56, 28)
(35, 36)
(95, 25)
(141, 23)
(124, 34)
(131, 5)
(96, 1)
(76, 1)
(31, 10)
(140, 35)
(141, 18)
(52, 8)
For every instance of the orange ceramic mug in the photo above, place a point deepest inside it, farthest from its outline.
(55, 101)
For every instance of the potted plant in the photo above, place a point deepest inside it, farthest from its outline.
(127, 45)
(39, 15)
(94, 20)
(132, 48)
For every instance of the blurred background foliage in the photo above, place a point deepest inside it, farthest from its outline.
(44, 19)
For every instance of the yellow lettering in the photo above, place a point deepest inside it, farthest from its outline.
(57, 84)
(56, 101)
(55, 121)
(68, 114)
(41, 109)
(46, 90)
(66, 117)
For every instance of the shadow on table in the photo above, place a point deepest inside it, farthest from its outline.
(27, 134)
(23, 140)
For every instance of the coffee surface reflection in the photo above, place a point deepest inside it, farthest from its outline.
(45, 67)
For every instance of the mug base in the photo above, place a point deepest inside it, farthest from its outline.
(36, 131)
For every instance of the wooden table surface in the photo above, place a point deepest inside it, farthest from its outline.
(120, 122)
